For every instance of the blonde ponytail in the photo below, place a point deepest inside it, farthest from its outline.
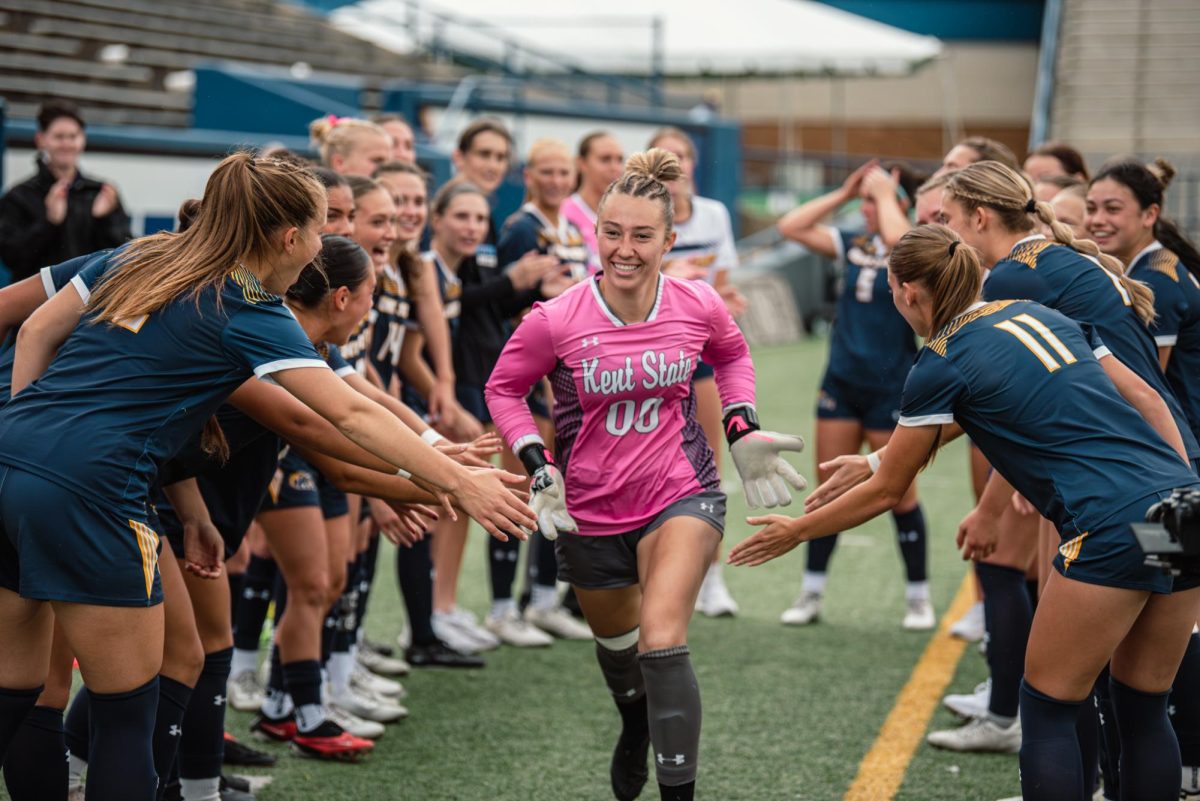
(1141, 295)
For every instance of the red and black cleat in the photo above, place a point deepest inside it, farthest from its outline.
(280, 731)
(330, 741)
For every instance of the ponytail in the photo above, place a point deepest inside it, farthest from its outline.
(1141, 295)
(213, 442)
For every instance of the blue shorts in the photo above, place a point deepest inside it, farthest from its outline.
(471, 398)
(1110, 555)
(298, 484)
(60, 546)
(702, 372)
(877, 408)
(610, 562)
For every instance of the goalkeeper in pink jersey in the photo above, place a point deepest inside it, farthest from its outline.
(635, 500)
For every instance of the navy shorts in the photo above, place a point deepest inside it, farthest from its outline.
(877, 408)
(610, 562)
(60, 546)
(1110, 555)
(298, 484)
(471, 398)
(702, 371)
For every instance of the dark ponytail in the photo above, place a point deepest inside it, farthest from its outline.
(341, 262)
(1148, 183)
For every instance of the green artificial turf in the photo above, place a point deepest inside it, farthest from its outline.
(788, 713)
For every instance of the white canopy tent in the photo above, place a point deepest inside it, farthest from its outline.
(672, 38)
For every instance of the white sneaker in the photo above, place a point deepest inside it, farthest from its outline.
(245, 691)
(807, 609)
(558, 622)
(970, 705)
(919, 615)
(453, 636)
(512, 630)
(363, 679)
(380, 664)
(353, 724)
(468, 624)
(714, 599)
(367, 706)
(979, 734)
(969, 627)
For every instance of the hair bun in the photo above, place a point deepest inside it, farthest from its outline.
(1163, 170)
(656, 163)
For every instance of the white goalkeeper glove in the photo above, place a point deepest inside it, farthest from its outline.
(765, 474)
(547, 493)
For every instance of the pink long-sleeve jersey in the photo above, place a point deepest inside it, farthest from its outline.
(626, 436)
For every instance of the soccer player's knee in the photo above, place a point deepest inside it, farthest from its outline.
(183, 657)
(619, 663)
(663, 636)
(312, 590)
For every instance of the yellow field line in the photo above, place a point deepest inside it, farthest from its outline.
(883, 768)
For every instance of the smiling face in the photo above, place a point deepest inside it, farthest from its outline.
(549, 179)
(461, 229)
(339, 219)
(632, 237)
(412, 210)
(375, 225)
(62, 142)
(485, 162)
(297, 247)
(346, 309)
(1116, 222)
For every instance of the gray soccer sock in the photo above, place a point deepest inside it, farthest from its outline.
(673, 699)
(619, 663)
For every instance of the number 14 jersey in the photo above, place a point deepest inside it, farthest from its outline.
(626, 437)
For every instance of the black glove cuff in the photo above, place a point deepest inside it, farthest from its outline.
(739, 422)
(535, 456)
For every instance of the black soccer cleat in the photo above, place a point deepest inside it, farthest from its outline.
(438, 654)
(238, 753)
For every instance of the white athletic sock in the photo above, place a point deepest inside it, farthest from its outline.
(201, 789)
(76, 767)
(916, 591)
(309, 717)
(1191, 779)
(339, 667)
(1003, 721)
(502, 607)
(277, 705)
(543, 598)
(243, 661)
(813, 582)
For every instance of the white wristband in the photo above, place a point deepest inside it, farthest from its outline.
(873, 461)
(403, 473)
(431, 437)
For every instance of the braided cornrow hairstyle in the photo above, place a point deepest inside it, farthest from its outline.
(647, 175)
(1007, 193)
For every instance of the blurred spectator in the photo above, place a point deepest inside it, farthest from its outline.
(58, 213)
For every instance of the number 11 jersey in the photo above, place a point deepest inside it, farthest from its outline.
(626, 437)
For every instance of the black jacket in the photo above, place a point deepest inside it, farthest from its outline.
(28, 241)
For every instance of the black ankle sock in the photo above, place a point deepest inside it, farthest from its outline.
(275, 675)
(173, 698)
(1051, 769)
(1149, 751)
(502, 566)
(368, 562)
(303, 682)
(414, 573)
(1185, 704)
(14, 706)
(34, 767)
(77, 725)
(911, 536)
(251, 604)
(1008, 617)
(121, 763)
(543, 566)
(680, 792)
(202, 749)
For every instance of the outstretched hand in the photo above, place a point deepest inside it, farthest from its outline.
(203, 549)
(765, 544)
(765, 474)
(848, 473)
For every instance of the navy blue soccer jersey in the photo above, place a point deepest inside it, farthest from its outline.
(528, 229)
(118, 400)
(389, 321)
(1025, 384)
(872, 345)
(1177, 301)
(1068, 282)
